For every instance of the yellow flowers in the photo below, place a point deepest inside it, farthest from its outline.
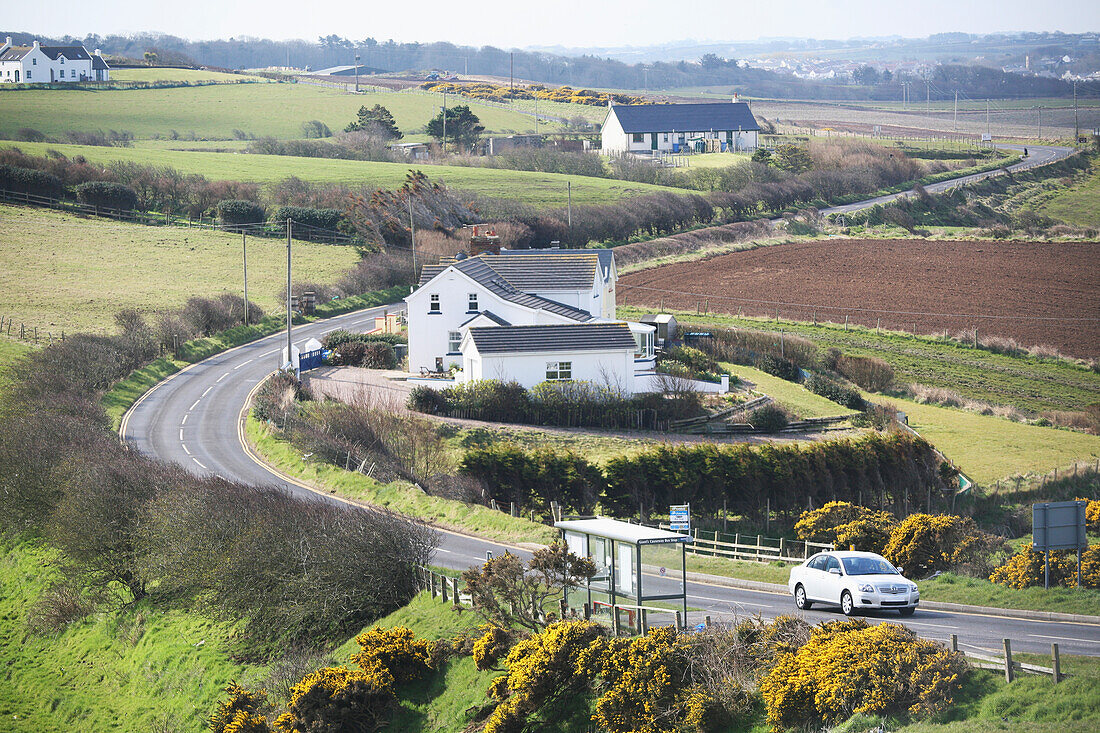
(848, 667)
(1025, 569)
(500, 93)
(396, 650)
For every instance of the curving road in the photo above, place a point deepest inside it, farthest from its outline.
(194, 418)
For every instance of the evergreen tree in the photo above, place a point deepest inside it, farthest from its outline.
(378, 118)
(463, 127)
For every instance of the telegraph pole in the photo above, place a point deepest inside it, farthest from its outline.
(1076, 127)
(569, 191)
(289, 310)
(955, 124)
(444, 123)
(536, 113)
(244, 252)
(356, 72)
(987, 117)
(1039, 109)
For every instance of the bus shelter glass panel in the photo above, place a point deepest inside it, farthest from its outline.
(625, 569)
(600, 549)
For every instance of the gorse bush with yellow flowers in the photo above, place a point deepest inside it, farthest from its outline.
(397, 650)
(849, 667)
(844, 524)
(1026, 569)
(339, 700)
(925, 543)
(490, 646)
(501, 93)
(240, 712)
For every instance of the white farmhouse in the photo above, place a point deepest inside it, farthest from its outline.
(650, 128)
(568, 294)
(38, 64)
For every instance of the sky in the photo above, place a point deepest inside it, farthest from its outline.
(509, 23)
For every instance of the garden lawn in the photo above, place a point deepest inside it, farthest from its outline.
(216, 111)
(139, 669)
(161, 73)
(67, 273)
(544, 189)
(399, 496)
(794, 397)
(989, 448)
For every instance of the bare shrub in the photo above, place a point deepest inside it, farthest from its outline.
(690, 242)
(874, 375)
(59, 606)
(1045, 351)
(377, 271)
(1001, 345)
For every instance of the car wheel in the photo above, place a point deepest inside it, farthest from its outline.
(847, 605)
(800, 600)
(907, 611)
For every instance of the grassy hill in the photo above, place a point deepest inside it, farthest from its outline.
(66, 273)
(544, 189)
(214, 112)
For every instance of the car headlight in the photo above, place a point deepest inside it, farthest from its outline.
(913, 588)
(866, 588)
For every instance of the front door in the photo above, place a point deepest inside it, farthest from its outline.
(653, 145)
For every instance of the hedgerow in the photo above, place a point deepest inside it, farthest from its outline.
(107, 195)
(848, 667)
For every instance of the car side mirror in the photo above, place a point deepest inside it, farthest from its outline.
(900, 569)
(834, 571)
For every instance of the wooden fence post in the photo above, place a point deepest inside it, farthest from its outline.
(1009, 676)
(954, 642)
(431, 582)
(454, 592)
(443, 588)
(1057, 663)
(587, 611)
(679, 620)
(615, 620)
(706, 621)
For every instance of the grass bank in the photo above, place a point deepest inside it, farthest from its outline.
(399, 496)
(10, 351)
(138, 669)
(74, 274)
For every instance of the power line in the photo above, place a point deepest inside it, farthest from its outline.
(783, 304)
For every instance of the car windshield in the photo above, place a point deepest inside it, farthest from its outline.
(868, 566)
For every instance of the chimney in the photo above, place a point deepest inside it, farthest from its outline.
(736, 97)
(98, 52)
(6, 46)
(487, 243)
(35, 44)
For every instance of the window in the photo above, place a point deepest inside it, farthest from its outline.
(664, 137)
(28, 73)
(34, 62)
(639, 137)
(557, 371)
(818, 563)
(471, 304)
(62, 60)
(433, 303)
(832, 564)
(454, 342)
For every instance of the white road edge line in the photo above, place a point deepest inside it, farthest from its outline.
(185, 450)
(181, 433)
(242, 364)
(196, 460)
(192, 407)
(1066, 638)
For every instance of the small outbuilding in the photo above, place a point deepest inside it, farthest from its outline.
(665, 324)
(619, 550)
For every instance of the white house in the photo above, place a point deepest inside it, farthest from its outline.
(504, 291)
(38, 64)
(649, 128)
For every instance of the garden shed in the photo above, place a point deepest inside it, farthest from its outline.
(619, 550)
(665, 324)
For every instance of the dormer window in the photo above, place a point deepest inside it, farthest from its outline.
(471, 303)
(433, 303)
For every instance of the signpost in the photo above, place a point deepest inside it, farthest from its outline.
(1058, 525)
(679, 517)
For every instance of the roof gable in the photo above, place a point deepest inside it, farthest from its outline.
(15, 53)
(556, 338)
(685, 117)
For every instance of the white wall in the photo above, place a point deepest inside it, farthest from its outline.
(530, 368)
(612, 136)
(428, 333)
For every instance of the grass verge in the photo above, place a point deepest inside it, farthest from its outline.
(398, 496)
(126, 392)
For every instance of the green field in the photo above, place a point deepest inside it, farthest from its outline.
(796, 398)
(64, 273)
(1027, 382)
(214, 112)
(547, 189)
(989, 448)
(1078, 204)
(10, 350)
(165, 74)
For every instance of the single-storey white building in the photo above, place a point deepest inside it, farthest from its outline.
(602, 353)
(38, 64)
(650, 128)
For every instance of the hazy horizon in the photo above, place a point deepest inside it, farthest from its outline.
(571, 24)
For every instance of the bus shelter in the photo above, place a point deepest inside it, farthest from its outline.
(619, 550)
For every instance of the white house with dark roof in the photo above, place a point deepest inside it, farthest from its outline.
(527, 315)
(650, 128)
(38, 64)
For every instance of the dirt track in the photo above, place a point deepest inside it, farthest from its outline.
(1024, 290)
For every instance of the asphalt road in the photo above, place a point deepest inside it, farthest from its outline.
(194, 419)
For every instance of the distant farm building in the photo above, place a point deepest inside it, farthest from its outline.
(674, 128)
(38, 64)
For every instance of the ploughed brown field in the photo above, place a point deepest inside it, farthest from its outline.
(1027, 291)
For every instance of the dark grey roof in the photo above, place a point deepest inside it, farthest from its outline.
(566, 337)
(488, 314)
(72, 53)
(685, 117)
(98, 62)
(477, 269)
(536, 269)
(606, 255)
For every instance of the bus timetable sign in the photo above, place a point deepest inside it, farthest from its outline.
(679, 517)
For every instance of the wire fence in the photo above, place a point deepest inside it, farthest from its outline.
(23, 332)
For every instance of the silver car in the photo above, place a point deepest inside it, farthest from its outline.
(855, 581)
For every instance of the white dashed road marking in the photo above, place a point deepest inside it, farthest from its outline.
(242, 364)
(223, 376)
(185, 450)
(207, 391)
